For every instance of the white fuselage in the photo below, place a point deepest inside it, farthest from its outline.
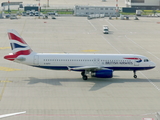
(110, 61)
(97, 65)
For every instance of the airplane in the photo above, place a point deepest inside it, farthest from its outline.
(94, 65)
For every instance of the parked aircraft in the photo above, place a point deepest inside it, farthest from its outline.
(96, 65)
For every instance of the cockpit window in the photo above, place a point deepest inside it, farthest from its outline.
(146, 60)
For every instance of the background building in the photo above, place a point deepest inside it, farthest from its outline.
(89, 10)
(143, 4)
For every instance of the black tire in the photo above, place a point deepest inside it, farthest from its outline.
(83, 73)
(85, 77)
(135, 76)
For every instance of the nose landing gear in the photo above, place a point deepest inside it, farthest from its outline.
(135, 76)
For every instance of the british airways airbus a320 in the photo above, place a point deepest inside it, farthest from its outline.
(94, 65)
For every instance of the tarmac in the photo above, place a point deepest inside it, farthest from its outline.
(63, 95)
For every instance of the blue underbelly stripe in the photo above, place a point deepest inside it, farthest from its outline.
(112, 68)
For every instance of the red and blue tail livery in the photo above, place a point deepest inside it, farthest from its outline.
(90, 65)
(18, 45)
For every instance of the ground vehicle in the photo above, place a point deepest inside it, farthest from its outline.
(31, 13)
(105, 29)
(53, 17)
(51, 13)
(7, 16)
(36, 13)
(27, 12)
(13, 17)
(24, 13)
(138, 12)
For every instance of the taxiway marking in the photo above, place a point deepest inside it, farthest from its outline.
(2, 48)
(11, 114)
(8, 69)
(92, 25)
(5, 81)
(111, 25)
(4, 86)
(151, 82)
(1, 95)
(90, 50)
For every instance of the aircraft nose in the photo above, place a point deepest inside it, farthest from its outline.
(153, 64)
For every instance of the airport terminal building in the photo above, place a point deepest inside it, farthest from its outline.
(143, 4)
(90, 10)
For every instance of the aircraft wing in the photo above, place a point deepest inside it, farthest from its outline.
(86, 68)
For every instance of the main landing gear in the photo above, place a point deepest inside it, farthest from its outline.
(135, 76)
(84, 76)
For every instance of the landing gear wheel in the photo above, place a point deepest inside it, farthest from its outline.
(83, 73)
(135, 76)
(85, 77)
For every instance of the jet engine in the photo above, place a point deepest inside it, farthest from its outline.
(102, 73)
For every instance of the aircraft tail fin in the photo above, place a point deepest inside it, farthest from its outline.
(18, 45)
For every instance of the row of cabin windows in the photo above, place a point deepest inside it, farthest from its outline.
(102, 13)
(95, 8)
(87, 60)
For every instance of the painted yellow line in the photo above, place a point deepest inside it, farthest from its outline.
(8, 69)
(90, 50)
(3, 90)
(5, 84)
(5, 81)
(2, 48)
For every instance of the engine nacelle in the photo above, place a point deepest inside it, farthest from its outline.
(102, 74)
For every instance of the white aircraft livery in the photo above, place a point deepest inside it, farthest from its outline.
(94, 65)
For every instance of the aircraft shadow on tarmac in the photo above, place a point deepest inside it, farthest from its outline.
(99, 83)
